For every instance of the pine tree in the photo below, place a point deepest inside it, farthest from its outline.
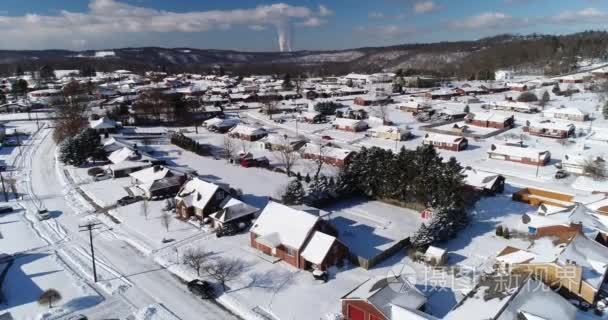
(318, 192)
(307, 178)
(605, 110)
(467, 109)
(556, 89)
(294, 193)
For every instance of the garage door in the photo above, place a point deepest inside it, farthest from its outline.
(355, 314)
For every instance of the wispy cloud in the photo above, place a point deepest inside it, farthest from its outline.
(376, 15)
(387, 31)
(487, 20)
(426, 6)
(111, 17)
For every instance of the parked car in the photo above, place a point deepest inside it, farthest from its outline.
(201, 288)
(320, 275)
(102, 176)
(128, 200)
(227, 230)
(327, 138)
(43, 214)
(560, 174)
(6, 209)
(77, 317)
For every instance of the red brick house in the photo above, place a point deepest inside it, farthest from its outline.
(333, 156)
(376, 298)
(351, 125)
(199, 198)
(297, 237)
(490, 120)
(446, 142)
(529, 156)
(549, 129)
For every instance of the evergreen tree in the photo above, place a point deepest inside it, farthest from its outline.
(556, 89)
(605, 110)
(318, 192)
(287, 84)
(467, 109)
(294, 193)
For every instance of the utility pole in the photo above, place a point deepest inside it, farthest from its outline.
(90, 227)
(3, 188)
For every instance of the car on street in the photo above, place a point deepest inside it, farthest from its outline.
(43, 214)
(327, 138)
(561, 174)
(128, 200)
(102, 176)
(201, 288)
(6, 209)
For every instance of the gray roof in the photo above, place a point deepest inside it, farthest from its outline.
(590, 255)
(538, 300)
(384, 292)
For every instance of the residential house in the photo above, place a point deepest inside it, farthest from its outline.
(578, 266)
(520, 87)
(522, 107)
(483, 182)
(442, 94)
(414, 106)
(233, 211)
(512, 297)
(570, 114)
(103, 124)
(125, 160)
(575, 163)
(277, 142)
(286, 233)
(389, 132)
(158, 181)
(549, 129)
(331, 155)
(519, 154)
(373, 100)
(490, 120)
(311, 117)
(446, 142)
(375, 299)
(199, 198)
(351, 125)
(247, 133)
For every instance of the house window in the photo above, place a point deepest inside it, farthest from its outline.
(290, 252)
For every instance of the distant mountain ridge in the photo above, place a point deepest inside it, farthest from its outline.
(460, 57)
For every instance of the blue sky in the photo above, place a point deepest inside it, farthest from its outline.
(303, 24)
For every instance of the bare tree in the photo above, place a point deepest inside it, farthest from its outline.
(244, 146)
(165, 220)
(48, 297)
(270, 106)
(145, 208)
(381, 112)
(229, 147)
(286, 155)
(69, 119)
(319, 161)
(595, 169)
(225, 269)
(195, 258)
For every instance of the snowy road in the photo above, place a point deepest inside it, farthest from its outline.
(125, 272)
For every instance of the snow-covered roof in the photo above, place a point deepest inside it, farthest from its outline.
(400, 313)
(385, 292)
(345, 122)
(197, 193)
(529, 153)
(233, 209)
(284, 225)
(121, 155)
(490, 116)
(479, 179)
(326, 151)
(103, 123)
(435, 252)
(516, 257)
(443, 138)
(565, 110)
(151, 174)
(552, 125)
(590, 255)
(242, 129)
(536, 301)
(386, 129)
(318, 247)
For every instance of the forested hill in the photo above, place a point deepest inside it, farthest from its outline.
(472, 59)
